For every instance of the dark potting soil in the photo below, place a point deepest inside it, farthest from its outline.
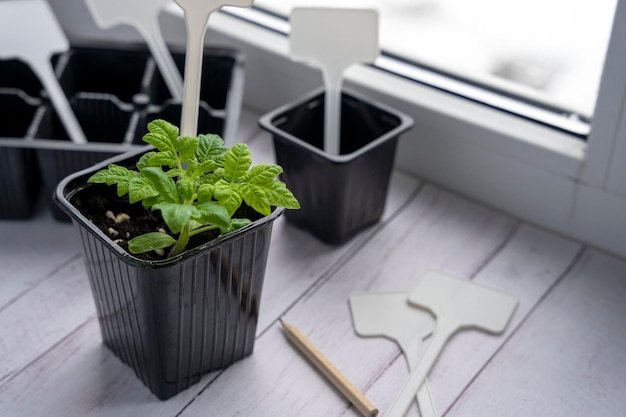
(122, 221)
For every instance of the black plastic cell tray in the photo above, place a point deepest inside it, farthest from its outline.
(114, 93)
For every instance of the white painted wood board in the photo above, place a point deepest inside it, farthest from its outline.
(562, 354)
(41, 318)
(80, 377)
(297, 261)
(27, 255)
(436, 230)
(527, 267)
(568, 358)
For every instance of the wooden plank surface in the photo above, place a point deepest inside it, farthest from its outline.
(81, 377)
(44, 316)
(562, 354)
(530, 263)
(31, 250)
(297, 261)
(436, 230)
(569, 358)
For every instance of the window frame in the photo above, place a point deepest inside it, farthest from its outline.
(606, 156)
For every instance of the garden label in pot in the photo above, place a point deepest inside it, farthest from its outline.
(197, 13)
(348, 36)
(185, 301)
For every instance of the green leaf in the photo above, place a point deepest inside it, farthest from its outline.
(139, 188)
(210, 165)
(144, 161)
(214, 214)
(175, 172)
(193, 225)
(176, 216)
(213, 177)
(227, 195)
(114, 174)
(205, 193)
(235, 224)
(210, 147)
(186, 187)
(237, 161)
(163, 135)
(151, 201)
(149, 242)
(166, 158)
(186, 147)
(263, 173)
(278, 195)
(162, 183)
(255, 197)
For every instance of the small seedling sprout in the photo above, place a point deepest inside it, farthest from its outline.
(197, 184)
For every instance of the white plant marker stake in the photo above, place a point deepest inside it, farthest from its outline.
(457, 304)
(143, 15)
(390, 315)
(31, 32)
(197, 13)
(333, 39)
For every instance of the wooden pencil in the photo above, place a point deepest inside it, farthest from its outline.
(321, 362)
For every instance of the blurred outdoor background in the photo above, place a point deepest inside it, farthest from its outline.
(547, 50)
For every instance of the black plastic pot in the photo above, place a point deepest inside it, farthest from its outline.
(114, 93)
(171, 320)
(340, 195)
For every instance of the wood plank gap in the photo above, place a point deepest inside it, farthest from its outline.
(320, 281)
(498, 249)
(345, 258)
(199, 393)
(9, 377)
(570, 267)
(39, 281)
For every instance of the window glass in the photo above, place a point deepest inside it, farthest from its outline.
(546, 51)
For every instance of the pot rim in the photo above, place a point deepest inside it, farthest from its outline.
(267, 122)
(76, 182)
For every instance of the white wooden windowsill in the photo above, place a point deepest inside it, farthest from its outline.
(563, 354)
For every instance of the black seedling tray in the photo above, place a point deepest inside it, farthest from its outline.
(114, 94)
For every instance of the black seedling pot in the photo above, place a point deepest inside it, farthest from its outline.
(170, 320)
(340, 195)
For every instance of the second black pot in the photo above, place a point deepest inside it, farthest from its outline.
(340, 195)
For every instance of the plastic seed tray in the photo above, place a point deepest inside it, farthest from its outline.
(114, 94)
